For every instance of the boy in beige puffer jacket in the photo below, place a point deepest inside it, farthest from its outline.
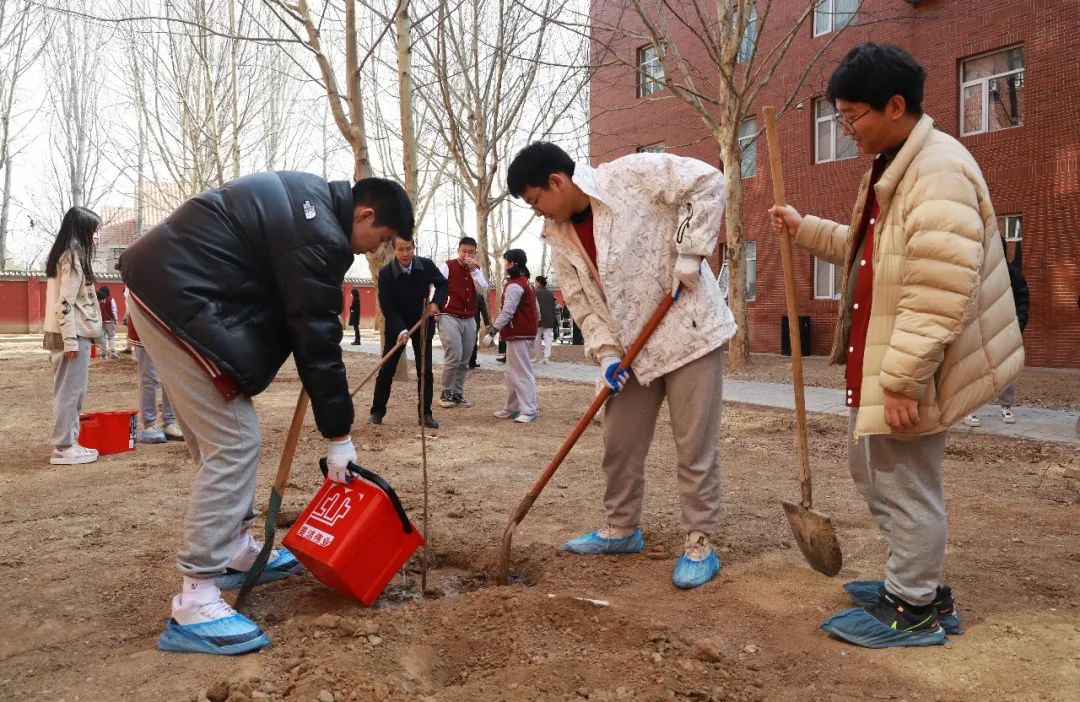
(927, 331)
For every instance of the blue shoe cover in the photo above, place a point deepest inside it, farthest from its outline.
(224, 637)
(151, 436)
(690, 573)
(277, 569)
(592, 544)
(864, 593)
(861, 628)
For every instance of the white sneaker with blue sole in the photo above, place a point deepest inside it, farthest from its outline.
(699, 563)
(210, 627)
(600, 542)
(279, 566)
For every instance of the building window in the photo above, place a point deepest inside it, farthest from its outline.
(827, 283)
(659, 148)
(650, 71)
(748, 147)
(992, 92)
(833, 15)
(1009, 227)
(831, 143)
(750, 256)
(749, 36)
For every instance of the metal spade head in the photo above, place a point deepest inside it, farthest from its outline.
(816, 538)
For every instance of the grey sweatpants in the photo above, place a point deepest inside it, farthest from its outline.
(1008, 396)
(108, 338)
(901, 482)
(458, 337)
(148, 385)
(520, 381)
(70, 378)
(223, 438)
(695, 399)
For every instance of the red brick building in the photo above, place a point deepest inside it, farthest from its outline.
(1001, 76)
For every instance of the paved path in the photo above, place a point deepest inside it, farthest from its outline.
(1031, 422)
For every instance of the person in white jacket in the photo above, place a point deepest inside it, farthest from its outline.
(622, 236)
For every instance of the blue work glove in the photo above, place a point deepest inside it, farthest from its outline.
(339, 454)
(610, 374)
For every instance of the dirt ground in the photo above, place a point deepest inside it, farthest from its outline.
(86, 559)
(1037, 387)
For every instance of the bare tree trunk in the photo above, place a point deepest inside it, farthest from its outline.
(739, 346)
(5, 208)
(234, 93)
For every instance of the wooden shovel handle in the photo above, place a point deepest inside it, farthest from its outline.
(386, 357)
(293, 437)
(792, 310)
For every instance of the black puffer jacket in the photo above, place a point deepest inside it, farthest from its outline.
(251, 272)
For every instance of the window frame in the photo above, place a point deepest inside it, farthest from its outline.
(659, 147)
(984, 93)
(835, 294)
(1005, 220)
(646, 79)
(831, 14)
(749, 36)
(743, 141)
(834, 130)
(749, 246)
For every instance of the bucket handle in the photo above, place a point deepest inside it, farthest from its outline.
(381, 484)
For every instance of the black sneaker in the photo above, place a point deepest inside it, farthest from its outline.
(460, 400)
(375, 418)
(430, 422)
(865, 593)
(901, 616)
(500, 359)
(446, 399)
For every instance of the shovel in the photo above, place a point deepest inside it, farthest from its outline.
(282, 478)
(813, 530)
(503, 575)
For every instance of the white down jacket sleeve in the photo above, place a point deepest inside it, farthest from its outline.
(693, 186)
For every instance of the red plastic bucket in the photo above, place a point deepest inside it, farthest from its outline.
(108, 432)
(354, 538)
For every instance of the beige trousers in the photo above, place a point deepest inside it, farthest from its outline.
(695, 396)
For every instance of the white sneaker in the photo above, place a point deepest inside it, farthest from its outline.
(972, 421)
(504, 414)
(73, 455)
(172, 432)
(525, 418)
(1007, 415)
(187, 610)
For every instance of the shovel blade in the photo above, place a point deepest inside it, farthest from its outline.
(816, 538)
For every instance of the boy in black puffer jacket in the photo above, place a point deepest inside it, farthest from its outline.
(223, 291)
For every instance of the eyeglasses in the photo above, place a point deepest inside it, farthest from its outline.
(848, 125)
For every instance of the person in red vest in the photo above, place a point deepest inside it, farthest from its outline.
(517, 324)
(108, 323)
(457, 323)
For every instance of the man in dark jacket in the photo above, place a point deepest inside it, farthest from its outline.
(405, 286)
(545, 335)
(222, 292)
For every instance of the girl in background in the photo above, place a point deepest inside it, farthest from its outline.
(517, 324)
(72, 323)
(108, 323)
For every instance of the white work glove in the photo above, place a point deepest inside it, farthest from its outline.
(610, 374)
(339, 454)
(403, 335)
(687, 271)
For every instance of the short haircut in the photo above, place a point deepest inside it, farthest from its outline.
(535, 164)
(390, 202)
(466, 241)
(873, 73)
(541, 280)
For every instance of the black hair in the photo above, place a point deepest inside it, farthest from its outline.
(466, 241)
(355, 292)
(76, 235)
(103, 292)
(519, 259)
(873, 73)
(541, 280)
(535, 164)
(390, 202)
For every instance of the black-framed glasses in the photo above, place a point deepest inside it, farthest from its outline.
(848, 125)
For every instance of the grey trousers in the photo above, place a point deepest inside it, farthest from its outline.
(224, 439)
(458, 337)
(695, 399)
(901, 482)
(520, 381)
(70, 378)
(1008, 396)
(108, 337)
(542, 346)
(148, 385)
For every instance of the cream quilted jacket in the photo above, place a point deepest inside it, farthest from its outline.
(943, 323)
(71, 306)
(647, 209)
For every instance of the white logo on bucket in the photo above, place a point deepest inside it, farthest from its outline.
(333, 508)
(315, 536)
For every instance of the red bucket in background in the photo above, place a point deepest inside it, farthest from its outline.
(354, 538)
(108, 432)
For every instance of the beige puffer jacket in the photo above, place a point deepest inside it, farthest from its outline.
(943, 323)
(647, 209)
(71, 306)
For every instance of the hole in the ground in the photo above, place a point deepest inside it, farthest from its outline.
(444, 579)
